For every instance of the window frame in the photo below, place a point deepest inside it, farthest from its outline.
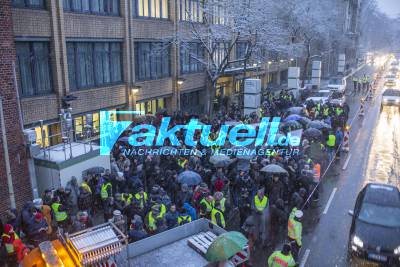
(199, 18)
(110, 5)
(33, 70)
(29, 6)
(109, 53)
(194, 66)
(135, 9)
(161, 60)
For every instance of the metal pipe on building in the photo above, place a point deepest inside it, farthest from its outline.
(6, 156)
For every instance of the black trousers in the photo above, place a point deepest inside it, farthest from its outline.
(295, 248)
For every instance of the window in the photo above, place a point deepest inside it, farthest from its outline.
(241, 48)
(220, 52)
(191, 10)
(34, 68)
(102, 7)
(93, 64)
(219, 15)
(151, 106)
(80, 123)
(190, 53)
(152, 61)
(29, 3)
(150, 8)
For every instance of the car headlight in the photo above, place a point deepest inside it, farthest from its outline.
(397, 251)
(357, 241)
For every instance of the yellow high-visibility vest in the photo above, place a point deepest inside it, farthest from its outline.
(295, 229)
(59, 215)
(142, 198)
(260, 205)
(103, 193)
(214, 219)
(87, 187)
(10, 246)
(331, 140)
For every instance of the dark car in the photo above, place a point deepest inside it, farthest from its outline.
(375, 228)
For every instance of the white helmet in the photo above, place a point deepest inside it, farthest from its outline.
(298, 214)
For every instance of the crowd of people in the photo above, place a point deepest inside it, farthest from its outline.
(143, 195)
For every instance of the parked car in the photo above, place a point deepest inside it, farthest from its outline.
(390, 80)
(322, 96)
(337, 84)
(375, 228)
(338, 98)
(390, 97)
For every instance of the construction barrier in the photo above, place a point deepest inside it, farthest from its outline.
(346, 139)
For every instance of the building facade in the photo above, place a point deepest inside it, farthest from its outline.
(14, 174)
(100, 51)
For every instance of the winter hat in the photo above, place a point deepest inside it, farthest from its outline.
(38, 202)
(38, 216)
(8, 228)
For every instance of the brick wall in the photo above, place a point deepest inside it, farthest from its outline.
(152, 89)
(30, 22)
(39, 108)
(92, 26)
(18, 162)
(99, 98)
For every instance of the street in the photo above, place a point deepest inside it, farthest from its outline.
(373, 157)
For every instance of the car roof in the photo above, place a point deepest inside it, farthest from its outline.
(391, 92)
(382, 194)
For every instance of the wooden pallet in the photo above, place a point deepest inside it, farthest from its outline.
(203, 240)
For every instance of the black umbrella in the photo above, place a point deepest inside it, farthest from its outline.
(93, 171)
(295, 110)
(293, 124)
(220, 161)
(312, 132)
(273, 168)
(318, 125)
(190, 178)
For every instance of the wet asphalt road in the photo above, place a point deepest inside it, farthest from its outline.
(373, 157)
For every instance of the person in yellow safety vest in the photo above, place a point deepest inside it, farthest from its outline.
(219, 199)
(127, 197)
(326, 111)
(141, 198)
(282, 258)
(339, 111)
(182, 162)
(8, 237)
(217, 216)
(184, 217)
(318, 107)
(59, 211)
(260, 201)
(331, 144)
(206, 206)
(295, 229)
(106, 190)
(85, 185)
(259, 206)
(153, 219)
(331, 140)
(355, 83)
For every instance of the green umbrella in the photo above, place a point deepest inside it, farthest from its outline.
(225, 246)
